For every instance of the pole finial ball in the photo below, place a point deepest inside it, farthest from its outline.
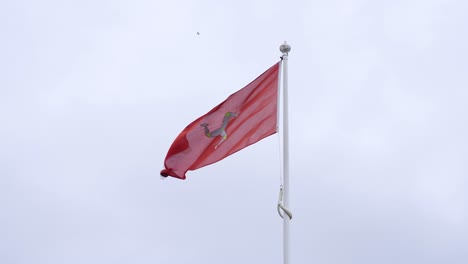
(285, 48)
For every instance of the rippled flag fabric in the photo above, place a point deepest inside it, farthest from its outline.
(243, 119)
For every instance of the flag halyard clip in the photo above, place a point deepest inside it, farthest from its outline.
(280, 207)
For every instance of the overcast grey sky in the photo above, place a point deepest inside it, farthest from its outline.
(92, 94)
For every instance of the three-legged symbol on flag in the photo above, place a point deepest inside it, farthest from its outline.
(221, 131)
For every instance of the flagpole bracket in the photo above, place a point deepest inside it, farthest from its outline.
(281, 209)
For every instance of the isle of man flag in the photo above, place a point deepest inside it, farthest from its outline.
(244, 118)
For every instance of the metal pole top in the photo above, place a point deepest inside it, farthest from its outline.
(285, 48)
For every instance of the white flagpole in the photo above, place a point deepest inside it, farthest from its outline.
(285, 48)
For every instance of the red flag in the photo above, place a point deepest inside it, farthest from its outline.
(244, 118)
